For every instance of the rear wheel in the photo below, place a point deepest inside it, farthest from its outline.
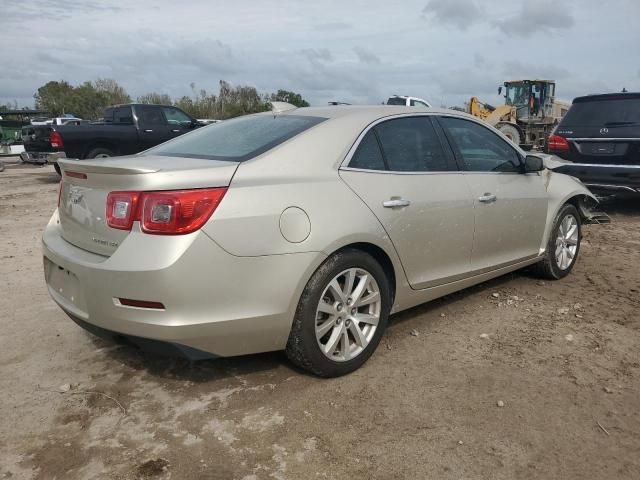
(341, 315)
(100, 153)
(563, 246)
(511, 132)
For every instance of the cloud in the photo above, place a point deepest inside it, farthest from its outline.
(544, 16)
(515, 70)
(457, 13)
(365, 56)
(317, 54)
(332, 26)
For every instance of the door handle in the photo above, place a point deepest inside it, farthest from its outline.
(487, 198)
(148, 130)
(175, 130)
(396, 202)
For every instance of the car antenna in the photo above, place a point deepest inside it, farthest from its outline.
(281, 107)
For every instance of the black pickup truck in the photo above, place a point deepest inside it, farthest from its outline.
(123, 130)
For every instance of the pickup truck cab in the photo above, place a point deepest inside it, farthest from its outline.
(122, 130)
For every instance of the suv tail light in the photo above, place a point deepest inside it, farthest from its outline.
(55, 139)
(557, 143)
(174, 212)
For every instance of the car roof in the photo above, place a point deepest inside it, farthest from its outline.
(363, 111)
(607, 96)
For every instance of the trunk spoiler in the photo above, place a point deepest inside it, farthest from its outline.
(84, 166)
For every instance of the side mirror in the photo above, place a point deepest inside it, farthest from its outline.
(499, 90)
(533, 163)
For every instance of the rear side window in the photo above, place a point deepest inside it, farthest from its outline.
(480, 149)
(237, 140)
(368, 155)
(396, 101)
(122, 116)
(411, 144)
(604, 113)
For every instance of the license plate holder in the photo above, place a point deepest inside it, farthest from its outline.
(598, 148)
(65, 284)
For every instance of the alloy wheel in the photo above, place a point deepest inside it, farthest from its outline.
(348, 314)
(566, 242)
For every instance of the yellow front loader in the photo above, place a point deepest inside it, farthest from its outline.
(503, 117)
(529, 114)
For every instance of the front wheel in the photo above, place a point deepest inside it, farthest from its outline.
(341, 315)
(563, 245)
(511, 132)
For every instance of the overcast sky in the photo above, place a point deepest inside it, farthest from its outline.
(348, 50)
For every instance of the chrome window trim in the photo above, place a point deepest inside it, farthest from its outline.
(604, 165)
(614, 139)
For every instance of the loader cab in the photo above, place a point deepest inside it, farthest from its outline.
(533, 99)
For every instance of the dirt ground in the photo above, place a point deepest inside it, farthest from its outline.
(561, 357)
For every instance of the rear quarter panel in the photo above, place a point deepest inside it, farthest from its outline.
(302, 173)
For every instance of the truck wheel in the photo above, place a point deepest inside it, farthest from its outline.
(100, 153)
(511, 132)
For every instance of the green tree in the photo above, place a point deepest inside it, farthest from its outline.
(289, 97)
(155, 98)
(86, 100)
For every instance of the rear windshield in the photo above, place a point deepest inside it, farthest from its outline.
(396, 101)
(236, 140)
(623, 111)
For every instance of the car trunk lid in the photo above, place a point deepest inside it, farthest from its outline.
(86, 185)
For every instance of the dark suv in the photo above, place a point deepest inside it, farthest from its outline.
(600, 135)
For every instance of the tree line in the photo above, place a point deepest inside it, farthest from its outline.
(88, 99)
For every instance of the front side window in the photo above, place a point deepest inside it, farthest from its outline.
(410, 144)
(480, 149)
(150, 115)
(176, 117)
(238, 139)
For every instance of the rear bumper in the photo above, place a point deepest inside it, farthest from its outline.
(42, 158)
(214, 302)
(604, 178)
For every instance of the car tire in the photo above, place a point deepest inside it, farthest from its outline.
(555, 266)
(308, 340)
(100, 153)
(57, 169)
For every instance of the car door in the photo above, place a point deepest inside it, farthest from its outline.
(510, 206)
(402, 171)
(152, 126)
(178, 121)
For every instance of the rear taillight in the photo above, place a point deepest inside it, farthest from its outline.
(178, 212)
(55, 139)
(174, 212)
(557, 143)
(122, 208)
